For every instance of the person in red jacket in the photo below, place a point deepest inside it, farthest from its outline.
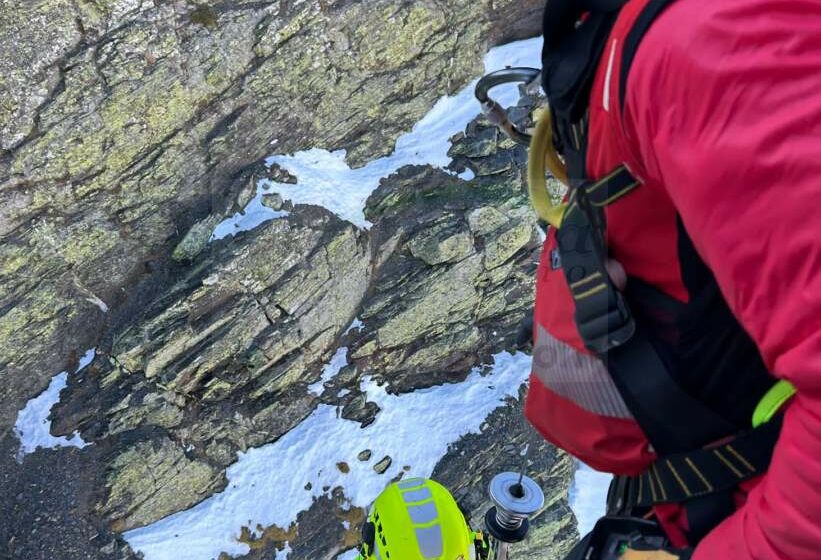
(714, 109)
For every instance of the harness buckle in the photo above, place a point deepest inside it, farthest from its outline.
(604, 322)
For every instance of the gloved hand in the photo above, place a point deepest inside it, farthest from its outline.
(524, 337)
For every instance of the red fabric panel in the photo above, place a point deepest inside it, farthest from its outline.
(645, 243)
(724, 115)
(606, 444)
(554, 304)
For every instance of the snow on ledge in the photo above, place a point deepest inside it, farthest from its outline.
(355, 326)
(33, 428)
(324, 178)
(588, 496)
(338, 361)
(254, 214)
(266, 485)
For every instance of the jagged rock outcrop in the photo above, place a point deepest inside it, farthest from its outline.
(130, 128)
(222, 361)
(219, 362)
(125, 122)
(461, 278)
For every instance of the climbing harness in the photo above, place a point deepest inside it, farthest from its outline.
(691, 468)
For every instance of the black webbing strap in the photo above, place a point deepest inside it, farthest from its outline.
(611, 187)
(601, 313)
(672, 419)
(685, 477)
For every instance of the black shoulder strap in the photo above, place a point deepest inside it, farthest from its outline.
(601, 314)
(672, 419)
(631, 43)
(573, 46)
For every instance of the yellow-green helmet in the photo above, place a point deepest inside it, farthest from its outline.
(417, 519)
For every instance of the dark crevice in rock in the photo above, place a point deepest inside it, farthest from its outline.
(271, 320)
(224, 124)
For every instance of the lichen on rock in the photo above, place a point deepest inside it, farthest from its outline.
(123, 123)
(153, 479)
(130, 128)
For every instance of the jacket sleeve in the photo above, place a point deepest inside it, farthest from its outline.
(723, 110)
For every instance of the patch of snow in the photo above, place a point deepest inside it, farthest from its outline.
(254, 214)
(467, 175)
(33, 428)
(101, 305)
(266, 485)
(338, 361)
(87, 358)
(284, 553)
(343, 393)
(588, 496)
(324, 178)
(355, 326)
(350, 555)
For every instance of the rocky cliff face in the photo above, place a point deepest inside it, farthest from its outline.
(124, 122)
(222, 360)
(129, 128)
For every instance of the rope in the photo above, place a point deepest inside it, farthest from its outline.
(541, 158)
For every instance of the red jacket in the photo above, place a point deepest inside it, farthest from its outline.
(722, 124)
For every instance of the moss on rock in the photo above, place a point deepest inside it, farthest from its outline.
(153, 479)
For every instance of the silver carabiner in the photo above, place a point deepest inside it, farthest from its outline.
(494, 112)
